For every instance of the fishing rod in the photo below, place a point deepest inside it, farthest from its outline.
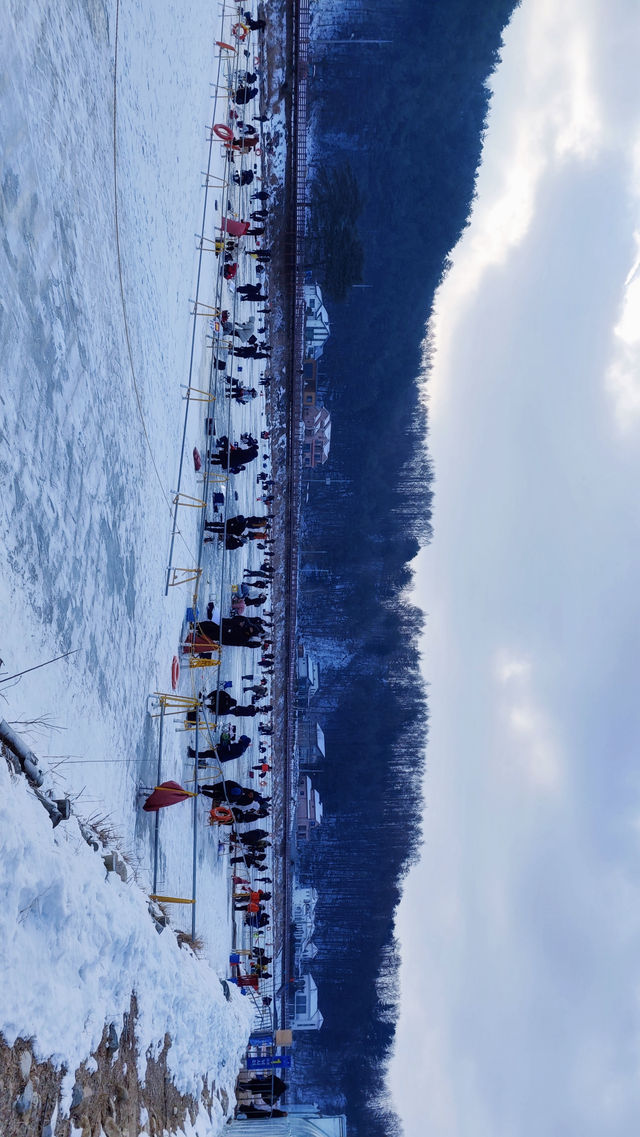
(19, 674)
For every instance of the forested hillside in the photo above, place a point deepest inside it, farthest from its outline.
(406, 118)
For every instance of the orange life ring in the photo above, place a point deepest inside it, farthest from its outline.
(221, 130)
(175, 671)
(222, 814)
(240, 31)
(257, 151)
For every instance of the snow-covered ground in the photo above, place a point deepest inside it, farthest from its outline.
(89, 452)
(80, 941)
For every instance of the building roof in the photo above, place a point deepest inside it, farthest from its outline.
(312, 800)
(308, 672)
(317, 428)
(315, 1014)
(325, 432)
(317, 329)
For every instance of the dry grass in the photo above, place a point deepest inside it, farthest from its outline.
(104, 829)
(194, 942)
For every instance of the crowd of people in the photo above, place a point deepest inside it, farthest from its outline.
(239, 341)
(241, 809)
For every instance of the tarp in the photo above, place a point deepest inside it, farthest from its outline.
(167, 793)
(234, 228)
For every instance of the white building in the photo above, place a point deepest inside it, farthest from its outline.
(316, 330)
(317, 436)
(304, 922)
(310, 742)
(309, 812)
(308, 674)
(306, 1013)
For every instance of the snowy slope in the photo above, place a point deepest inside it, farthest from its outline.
(76, 943)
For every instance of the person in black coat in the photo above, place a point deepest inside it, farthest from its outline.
(227, 792)
(250, 859)
(236, 458)
(230, 542)
(257, 919)
(272, 1086)
(255, 298)
(254, 837)
(250, 290)
(234, 631)
(225, 704)
(226, 751)
(219, 702)
(254, 25)
(251, 351)
(260, 689)
(235, 525)
(246, 816)
(244, 95)
(248, 712)
(255, 601)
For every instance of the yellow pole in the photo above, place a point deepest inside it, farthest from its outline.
(170, 899)
(172, 790)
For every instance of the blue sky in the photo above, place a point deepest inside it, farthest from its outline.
(521, 925)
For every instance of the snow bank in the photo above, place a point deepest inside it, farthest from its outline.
(77, 942)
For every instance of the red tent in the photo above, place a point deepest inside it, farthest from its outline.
(234, 228)
(168, 793)
(246, 981)
(196, 642)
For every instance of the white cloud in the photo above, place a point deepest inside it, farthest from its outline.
(536, 753)
(554, 117)
(622, 377)
(532, 749)
(509, 667)
(519, 948)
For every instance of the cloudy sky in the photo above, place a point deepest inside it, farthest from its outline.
(521, 926)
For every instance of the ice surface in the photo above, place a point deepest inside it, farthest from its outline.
(86, 522)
